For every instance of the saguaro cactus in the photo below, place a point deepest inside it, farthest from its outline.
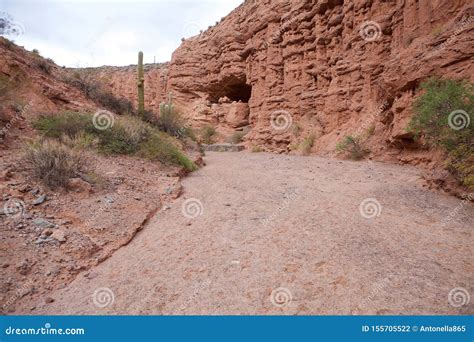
(167, 108)
(141, 86)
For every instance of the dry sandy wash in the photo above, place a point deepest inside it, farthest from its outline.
(285, 235)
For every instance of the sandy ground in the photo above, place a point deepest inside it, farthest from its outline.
(287, 235)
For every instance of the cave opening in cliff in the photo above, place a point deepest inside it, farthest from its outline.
(239, 91)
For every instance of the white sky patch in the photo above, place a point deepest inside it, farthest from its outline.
(81, 33)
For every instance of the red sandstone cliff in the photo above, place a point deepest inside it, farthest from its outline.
(310, 59)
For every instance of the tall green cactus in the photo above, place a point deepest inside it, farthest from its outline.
(141, 86)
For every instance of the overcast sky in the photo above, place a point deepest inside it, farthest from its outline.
(80, 33)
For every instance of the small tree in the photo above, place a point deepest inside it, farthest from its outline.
(442, 116)
(353, 146)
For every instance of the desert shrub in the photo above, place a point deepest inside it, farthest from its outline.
(80, 141)
(35, 51)
(83, 81)
(370, 130)
(461, 164)
(53, 163)
(296, 129)
(237, 137)
(433, 109)
(128, 135)
(65, 123)
(307, 144)
(90, 87)
(44, 66)
(256, 149)
(161, 148)
(124, 137)
(171, 122)
(207, 134)
(442, 116)
(353, 146)
(108, 100)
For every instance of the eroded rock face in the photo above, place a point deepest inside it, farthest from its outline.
(337, 67)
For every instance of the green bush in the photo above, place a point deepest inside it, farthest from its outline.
(207, 134)
(353, 146)
(128, 135)
(159, 147)
(442, 117)
(433, 108)
(307, 144)
(66, 123)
